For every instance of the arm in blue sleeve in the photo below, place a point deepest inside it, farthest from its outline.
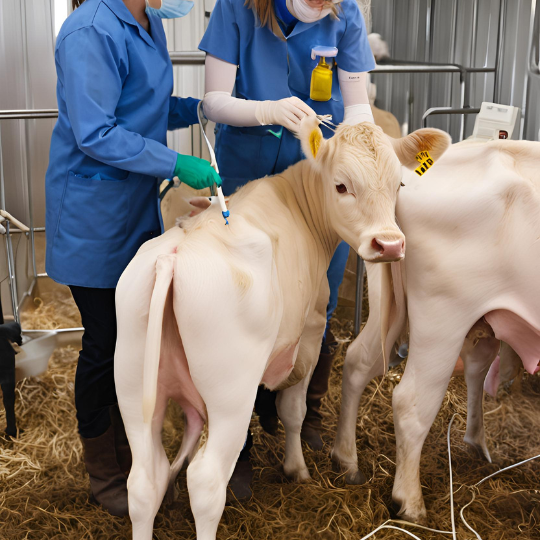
(182, 112)
(93, 70)
(354, 53)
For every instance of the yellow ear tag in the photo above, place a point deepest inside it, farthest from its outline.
(315, 141)
(425, 160)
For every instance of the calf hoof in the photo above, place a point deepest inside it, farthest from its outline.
(312, 438)
(353, 475)
(480, 447)
(355, 478)
(240, 482)
(414, 515)
(301, 476)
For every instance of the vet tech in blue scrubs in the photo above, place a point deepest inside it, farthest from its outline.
(108, 154)
(273, 62)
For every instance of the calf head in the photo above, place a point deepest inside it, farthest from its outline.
(360, 168)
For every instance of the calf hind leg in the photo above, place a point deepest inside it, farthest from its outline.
(227, 379)
(193, 425)
(229, 414)
(226, 376)
(479, 350)
(149, 473)
(291, 405)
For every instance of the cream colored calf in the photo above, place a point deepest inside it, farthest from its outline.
(473, 253)
(207, 312)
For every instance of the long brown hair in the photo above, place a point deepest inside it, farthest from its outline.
(76, 3)
(264, 10)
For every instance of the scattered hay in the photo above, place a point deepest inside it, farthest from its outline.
(43, 489)
(52, 310)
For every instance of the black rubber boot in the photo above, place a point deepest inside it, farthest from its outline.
(107, 482)
(121, 443)
(317, 389)
(240, 482)
(265, 407)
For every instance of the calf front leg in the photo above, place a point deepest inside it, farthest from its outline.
(363, 362)
(416, 401)
(291, 405)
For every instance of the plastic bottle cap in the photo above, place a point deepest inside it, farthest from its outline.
(328, 52)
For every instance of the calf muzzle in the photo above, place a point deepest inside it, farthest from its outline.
(387, 251)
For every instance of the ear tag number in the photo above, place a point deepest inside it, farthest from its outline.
(425, 160)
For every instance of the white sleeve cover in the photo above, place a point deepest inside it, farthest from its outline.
(218, 103)
(353, 88)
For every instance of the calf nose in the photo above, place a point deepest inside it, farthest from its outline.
(389, 251)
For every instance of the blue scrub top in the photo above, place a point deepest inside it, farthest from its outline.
(108, 148)
(270, 68)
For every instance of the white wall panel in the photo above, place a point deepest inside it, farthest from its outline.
(27, 80)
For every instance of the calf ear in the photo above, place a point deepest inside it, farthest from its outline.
(429, 140)
(312, 140)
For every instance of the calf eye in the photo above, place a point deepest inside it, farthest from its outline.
(341, 188)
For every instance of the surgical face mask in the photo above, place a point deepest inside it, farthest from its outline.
(305, 13)
(170, 9)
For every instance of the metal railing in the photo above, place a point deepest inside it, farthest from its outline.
(12, 275)
(447, 110)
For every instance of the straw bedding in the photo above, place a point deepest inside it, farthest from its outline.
(43, 488)
(52, 310)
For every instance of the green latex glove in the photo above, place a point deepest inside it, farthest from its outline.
(195, 172)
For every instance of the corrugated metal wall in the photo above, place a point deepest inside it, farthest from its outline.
(465, 32)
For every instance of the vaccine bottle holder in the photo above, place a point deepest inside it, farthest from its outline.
(321, 77)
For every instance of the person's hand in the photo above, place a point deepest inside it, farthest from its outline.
(195, 172)
(286, 112)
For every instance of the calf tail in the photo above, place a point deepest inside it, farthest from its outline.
(164, 275)
(387, 301)
(393, 308)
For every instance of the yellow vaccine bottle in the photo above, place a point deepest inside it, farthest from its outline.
(321, 77)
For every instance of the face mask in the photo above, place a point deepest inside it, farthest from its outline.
(170, 9)
(305, 13)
